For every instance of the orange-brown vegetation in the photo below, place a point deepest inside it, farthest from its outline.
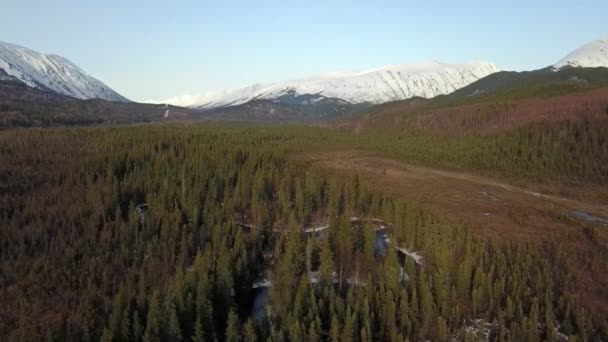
(487, 117)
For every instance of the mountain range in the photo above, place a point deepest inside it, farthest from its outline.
(384, 84)
(317, 98)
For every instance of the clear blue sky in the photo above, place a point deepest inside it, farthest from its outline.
(159, 49)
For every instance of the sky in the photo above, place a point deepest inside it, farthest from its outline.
(153, 50)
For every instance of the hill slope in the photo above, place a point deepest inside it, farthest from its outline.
(527, 83)
(499, 102)
(24, 106)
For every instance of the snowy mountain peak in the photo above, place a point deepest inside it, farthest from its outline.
(52, 72)
(590, 55)
(384, 84)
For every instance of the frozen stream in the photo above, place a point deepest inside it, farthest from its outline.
(260, 288)
(588, 217)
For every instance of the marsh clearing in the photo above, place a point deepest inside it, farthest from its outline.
(491, 207)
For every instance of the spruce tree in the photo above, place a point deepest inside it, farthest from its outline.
(153, 322)
(232, 333)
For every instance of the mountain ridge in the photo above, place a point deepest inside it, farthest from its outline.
(379, 85)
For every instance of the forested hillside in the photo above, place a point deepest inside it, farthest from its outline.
(547, 139)
(23, 106)
(209, 233)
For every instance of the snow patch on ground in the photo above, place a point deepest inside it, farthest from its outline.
(261, 283)
(316, 229)
(487, 195)
(414, 255)
(480, 328)
(588, 217)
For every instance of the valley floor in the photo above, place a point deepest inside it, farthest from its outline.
(169, 229)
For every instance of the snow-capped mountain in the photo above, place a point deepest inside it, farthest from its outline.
(591, 55)
(388, 83)
(52, 73)
(287, 107)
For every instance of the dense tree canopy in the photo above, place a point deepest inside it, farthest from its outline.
(160, 233)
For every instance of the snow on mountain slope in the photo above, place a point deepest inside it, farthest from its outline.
(52, 72)
(591, 55)
(388, 83)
